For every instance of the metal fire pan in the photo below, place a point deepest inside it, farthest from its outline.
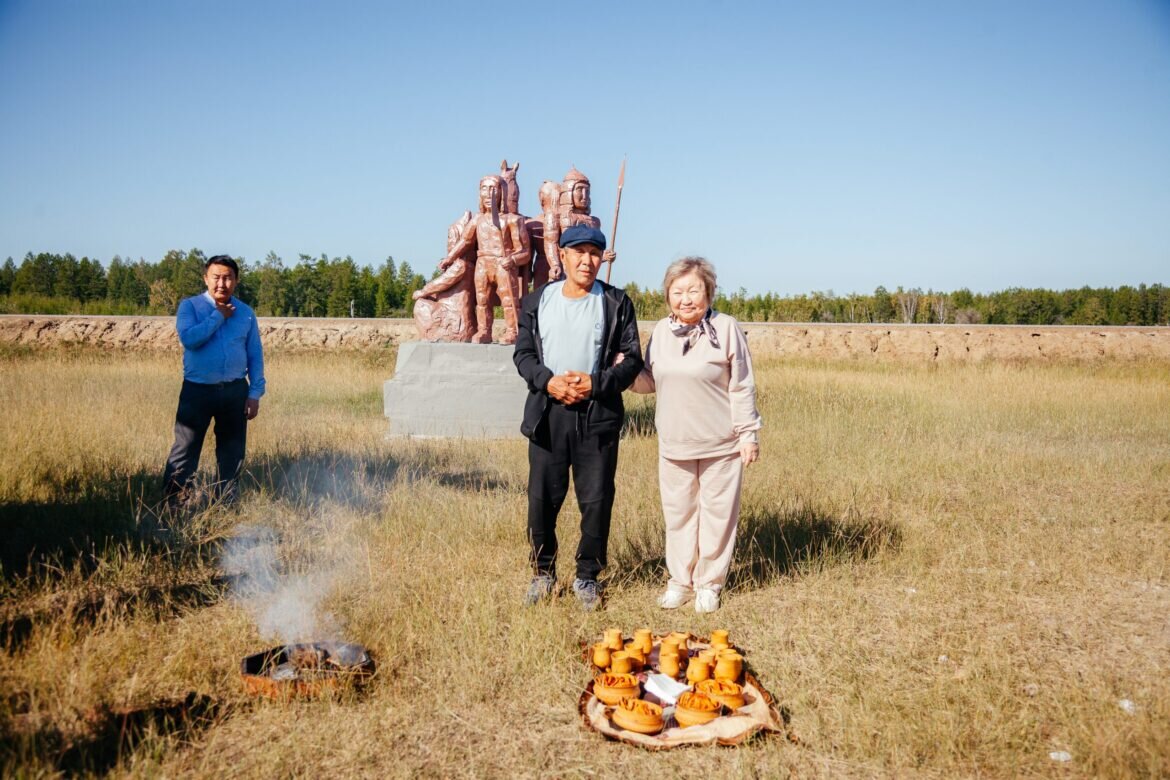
(344, 665)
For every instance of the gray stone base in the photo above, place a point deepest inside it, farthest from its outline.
(449, 390)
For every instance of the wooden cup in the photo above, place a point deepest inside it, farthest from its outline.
(613, 638)
(601, 655)
(645, 640)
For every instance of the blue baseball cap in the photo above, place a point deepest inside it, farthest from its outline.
(582, 234)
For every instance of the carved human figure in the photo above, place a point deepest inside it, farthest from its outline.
(502, 248)
(574, 202)
(533, 229)
(546, 267)
(444, 309)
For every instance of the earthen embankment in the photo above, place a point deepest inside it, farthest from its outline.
(915, 343)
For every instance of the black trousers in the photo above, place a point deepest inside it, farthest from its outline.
(198, 406)
(562, 446)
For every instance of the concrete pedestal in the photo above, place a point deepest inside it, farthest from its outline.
(452, 390)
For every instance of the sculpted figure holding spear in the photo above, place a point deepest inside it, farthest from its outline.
(575, 201)
(574, 204)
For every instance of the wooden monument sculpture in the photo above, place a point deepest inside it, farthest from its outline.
(497, 256)
(444, 309)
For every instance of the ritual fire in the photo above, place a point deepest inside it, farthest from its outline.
(306, 669)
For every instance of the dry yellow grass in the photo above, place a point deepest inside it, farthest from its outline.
(942, 572)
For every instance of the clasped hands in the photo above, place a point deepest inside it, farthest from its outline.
(570, 387)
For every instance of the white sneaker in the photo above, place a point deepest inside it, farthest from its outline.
(706, 600)
(674, 597)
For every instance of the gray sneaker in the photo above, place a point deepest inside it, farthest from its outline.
(587, 593)
(539, 589)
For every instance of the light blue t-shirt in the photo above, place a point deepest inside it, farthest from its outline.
(571, 329)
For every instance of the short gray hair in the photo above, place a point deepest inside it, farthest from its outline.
(691, 265)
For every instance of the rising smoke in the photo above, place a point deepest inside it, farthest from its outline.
(287, 606)
(330, 494)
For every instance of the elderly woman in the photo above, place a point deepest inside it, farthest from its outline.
(697, 361)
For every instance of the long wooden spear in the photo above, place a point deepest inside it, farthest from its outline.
(616, 210)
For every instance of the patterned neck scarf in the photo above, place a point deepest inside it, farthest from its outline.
(690, 334)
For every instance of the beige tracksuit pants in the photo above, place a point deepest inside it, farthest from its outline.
(700, 501)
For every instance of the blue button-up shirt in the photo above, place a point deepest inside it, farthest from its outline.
(216, 349)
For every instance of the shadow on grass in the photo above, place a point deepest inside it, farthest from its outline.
(353, 481)
(162, 599)
(477, 482)
(82, 521)
(802, 539)
(90, 518)
(770, 545)
(360, 482)
(107, 735)
(109, 521)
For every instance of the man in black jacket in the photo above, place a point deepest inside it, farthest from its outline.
(570, 335)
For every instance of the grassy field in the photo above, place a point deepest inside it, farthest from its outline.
(941, 572)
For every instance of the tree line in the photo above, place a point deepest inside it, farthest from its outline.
(1141, 305)
(321, 286)
(314, 287)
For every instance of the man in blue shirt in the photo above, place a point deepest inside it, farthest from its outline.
(223, 379)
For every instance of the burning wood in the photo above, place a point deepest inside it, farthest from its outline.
(306, 669)
(305, 658)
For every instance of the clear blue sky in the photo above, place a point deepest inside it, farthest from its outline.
(800, 146)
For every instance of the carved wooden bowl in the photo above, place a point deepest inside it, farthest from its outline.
(640, 716)
(727, 693)
(696, 708)
(612, 688)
